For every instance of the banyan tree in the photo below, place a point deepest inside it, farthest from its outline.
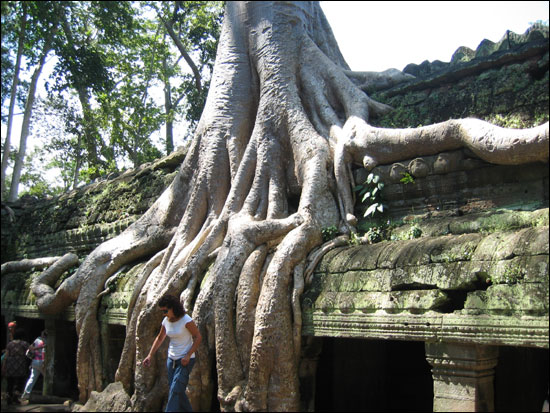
(269, 167)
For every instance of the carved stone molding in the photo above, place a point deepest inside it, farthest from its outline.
(521, 331)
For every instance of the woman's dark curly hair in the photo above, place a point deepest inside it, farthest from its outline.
(173, 303)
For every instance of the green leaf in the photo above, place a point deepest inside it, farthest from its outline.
(370, 210)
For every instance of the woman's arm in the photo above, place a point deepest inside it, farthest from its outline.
(197, 338)
(156, 344)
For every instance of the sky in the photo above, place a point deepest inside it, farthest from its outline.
(378, 35)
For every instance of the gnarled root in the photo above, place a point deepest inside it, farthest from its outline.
(28, 264)
(317, 254)
(41, 285)
(372, 81)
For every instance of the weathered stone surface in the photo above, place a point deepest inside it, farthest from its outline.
(115, 303)
(467, 86)
(80, 220)
(463, 376)
(413, 301)
(114, 399)
(512, 299)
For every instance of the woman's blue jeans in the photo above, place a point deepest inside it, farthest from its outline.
(178, 377)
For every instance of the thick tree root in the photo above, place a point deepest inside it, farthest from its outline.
(28, 264)
(316, 255)
(42, 285)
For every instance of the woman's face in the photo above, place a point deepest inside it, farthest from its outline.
(168, 312)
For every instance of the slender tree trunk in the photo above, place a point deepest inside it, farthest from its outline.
(25, 127)
(184, 54)
(7, 142)
(168, 108)
(78, 162)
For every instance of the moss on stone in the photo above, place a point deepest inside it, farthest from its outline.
(509, 300)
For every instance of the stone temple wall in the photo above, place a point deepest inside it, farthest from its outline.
(504, 82)
(81, 219)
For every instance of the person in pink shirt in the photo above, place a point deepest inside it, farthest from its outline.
(38, 349)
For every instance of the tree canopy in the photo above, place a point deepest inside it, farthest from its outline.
(116, 75)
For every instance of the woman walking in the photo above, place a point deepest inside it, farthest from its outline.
(15, 365)
(184, 341)
(37, 366)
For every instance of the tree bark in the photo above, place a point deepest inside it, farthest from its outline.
(7, 141)
(20, 159)
(27, 264)
(267, 170)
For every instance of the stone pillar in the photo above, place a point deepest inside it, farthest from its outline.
(49, 357)
(463, 376)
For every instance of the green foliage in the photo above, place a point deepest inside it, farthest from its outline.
(374, 235)
(329, 233)
(354, 239)
(517, 121)
(111, 59)
(34, 178)
(407, 178)
(414, 232)
(369, 193)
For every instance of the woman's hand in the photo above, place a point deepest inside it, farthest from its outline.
(147, 361)
(185, 360)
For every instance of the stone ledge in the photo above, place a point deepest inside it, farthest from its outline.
(31, 311)
(488, 330)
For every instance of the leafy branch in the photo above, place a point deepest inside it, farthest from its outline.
(370, 192)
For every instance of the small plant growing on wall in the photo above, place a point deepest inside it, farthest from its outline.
(374, 235)
(370, 191)
(329, 233)
(407, 178)
(414, 232)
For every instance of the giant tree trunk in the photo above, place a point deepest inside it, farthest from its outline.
(267, 170)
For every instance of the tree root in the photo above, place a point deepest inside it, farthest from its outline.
(373, 81)
(42, 285)
(316, 255)
(28, 264)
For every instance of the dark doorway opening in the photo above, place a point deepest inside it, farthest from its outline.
(521, 379)
(356, 375)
